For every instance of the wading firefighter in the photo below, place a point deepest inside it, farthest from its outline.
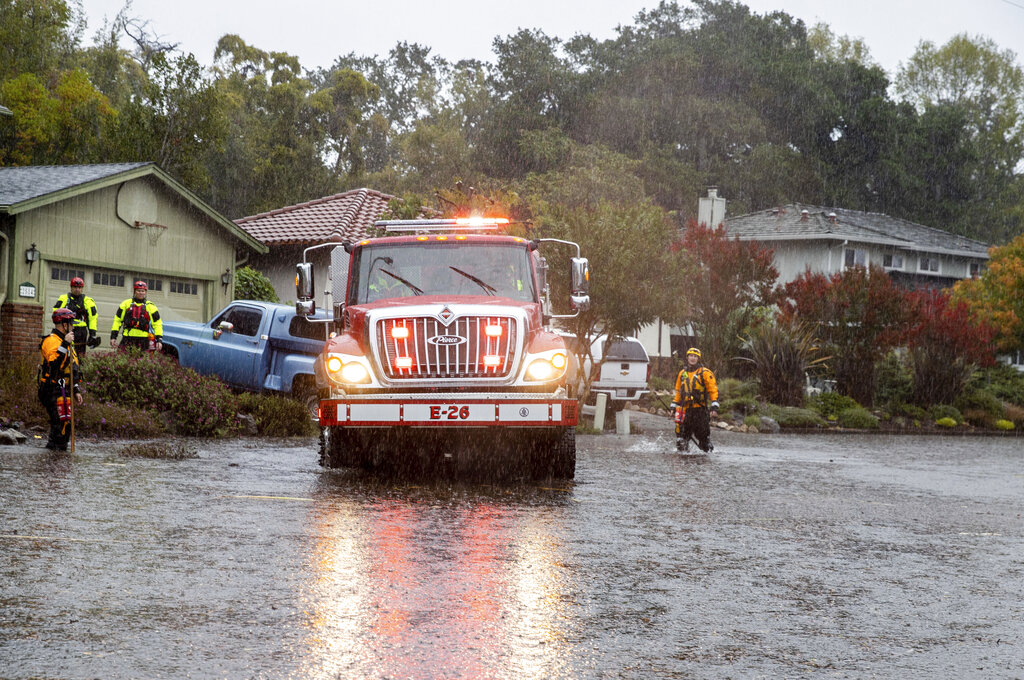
(696, 396)
(58, 378)
(139, 322)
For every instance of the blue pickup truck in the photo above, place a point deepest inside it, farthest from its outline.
(255, 346)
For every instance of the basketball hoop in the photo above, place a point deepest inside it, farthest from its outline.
(153, 231)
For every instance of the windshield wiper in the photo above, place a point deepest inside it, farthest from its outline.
(396, 277)
(489, 289)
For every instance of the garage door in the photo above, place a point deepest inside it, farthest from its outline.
(177, 299)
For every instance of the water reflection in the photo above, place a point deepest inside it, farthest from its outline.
(435, 580)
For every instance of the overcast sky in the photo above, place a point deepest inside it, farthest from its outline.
(318, 31)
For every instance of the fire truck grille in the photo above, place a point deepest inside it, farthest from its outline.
(420, 348)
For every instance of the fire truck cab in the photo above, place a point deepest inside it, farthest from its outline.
(441, 348)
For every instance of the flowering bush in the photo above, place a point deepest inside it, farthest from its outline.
(190, 403)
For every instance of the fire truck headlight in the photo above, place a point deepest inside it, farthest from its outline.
(355, 373)
(342, 371)
(542, 369)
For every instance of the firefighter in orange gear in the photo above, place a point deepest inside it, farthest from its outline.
(697, 397)
(59, 376)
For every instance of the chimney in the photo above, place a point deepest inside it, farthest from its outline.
(711, 210)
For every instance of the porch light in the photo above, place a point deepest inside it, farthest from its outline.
(31, 256)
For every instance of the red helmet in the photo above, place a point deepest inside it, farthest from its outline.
(140, 284)
(77, 281)
(62, 315)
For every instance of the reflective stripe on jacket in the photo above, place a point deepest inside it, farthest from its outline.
(139, 319)
(56, 359)
(84, 308)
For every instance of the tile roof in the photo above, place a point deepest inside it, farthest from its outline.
(348, 215)
(23, 183)
(785, 224)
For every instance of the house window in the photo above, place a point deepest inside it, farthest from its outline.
(154, 284)
(65, 274)
(928, 264)
(183, 288)
(108, 279)
(855, 258)
(974, 269)
(892, 261)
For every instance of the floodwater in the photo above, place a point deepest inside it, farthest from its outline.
(777, 556)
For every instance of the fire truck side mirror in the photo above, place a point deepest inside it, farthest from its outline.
(580, 275)
(304, 286)
(579, 298)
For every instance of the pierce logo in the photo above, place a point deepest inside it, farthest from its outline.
(446, 340)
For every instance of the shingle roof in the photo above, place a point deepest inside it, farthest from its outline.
(348, 216)
(785, 224)
(19, 184)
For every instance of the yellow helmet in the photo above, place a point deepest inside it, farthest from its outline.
(694, 351)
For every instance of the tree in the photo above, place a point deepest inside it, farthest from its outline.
(597, 202)
(997, 296)
(987, 85)
(945, 345)
(62, 126)
(858, 312)
(728, 280)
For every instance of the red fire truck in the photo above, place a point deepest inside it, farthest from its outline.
(442, 348)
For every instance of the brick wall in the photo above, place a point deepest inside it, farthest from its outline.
(20, 329)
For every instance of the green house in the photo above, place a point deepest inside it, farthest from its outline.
(111, 224)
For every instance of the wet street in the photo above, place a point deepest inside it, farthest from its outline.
(789, 556)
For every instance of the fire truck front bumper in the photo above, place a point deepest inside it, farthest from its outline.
(448, 411)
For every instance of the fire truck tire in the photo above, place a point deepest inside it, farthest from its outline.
(561, 457)
(339, 448)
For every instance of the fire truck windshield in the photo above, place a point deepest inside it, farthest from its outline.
(390, 270)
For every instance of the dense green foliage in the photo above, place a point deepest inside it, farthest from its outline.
(691, 94)
(251, 284)
(131, 395)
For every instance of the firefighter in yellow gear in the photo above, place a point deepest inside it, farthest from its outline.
(59, 376)
(697, 397)
(138, 321)
(86, 315)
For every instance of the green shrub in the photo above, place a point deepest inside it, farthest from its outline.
(942, 411)
(895, 382)
(752, 421)
(659, 384)
(1003, 381)
(731, 388)
(1004, 425)
(276, 415)
(192, 404)
(251, 284)
(1015, 414)
(857, 418)
(908, 410)
(743, 405)
(793, 416)
(946, 422)
(830, 404)
(18, 387)
(972, 399)
(113, 420)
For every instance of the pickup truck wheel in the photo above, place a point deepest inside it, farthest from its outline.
(307, 395)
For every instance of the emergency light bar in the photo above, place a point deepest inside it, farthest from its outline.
(448, 224)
